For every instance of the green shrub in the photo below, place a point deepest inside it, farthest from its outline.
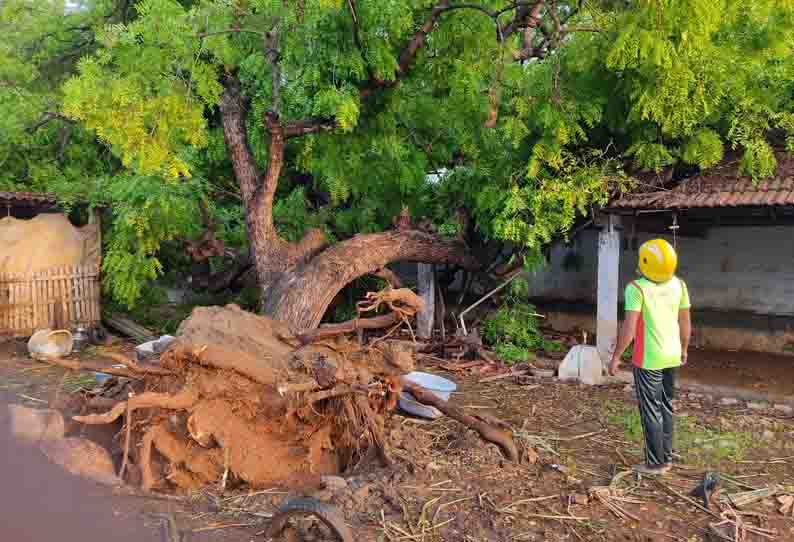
(513, 329)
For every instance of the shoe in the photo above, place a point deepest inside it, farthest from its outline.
(648, 470)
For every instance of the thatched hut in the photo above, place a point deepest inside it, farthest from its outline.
(49, 268)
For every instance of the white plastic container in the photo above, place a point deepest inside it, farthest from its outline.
(437, 385)
(583, 364)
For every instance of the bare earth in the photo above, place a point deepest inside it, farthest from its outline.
(446, 485)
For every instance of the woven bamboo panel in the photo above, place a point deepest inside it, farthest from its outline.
(56, 298)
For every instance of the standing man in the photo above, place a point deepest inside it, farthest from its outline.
(658, 321)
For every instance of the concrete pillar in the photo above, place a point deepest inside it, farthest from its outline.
(426, 288)
(608, 284)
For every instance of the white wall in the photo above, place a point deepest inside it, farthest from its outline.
(733, 269)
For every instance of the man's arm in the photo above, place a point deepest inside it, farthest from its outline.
(627, 334)
(685, 325)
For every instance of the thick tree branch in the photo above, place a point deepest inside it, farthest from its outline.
(308, 126)
(527, 16)
(267, 191)
(495, 433)
(203, 35)
(47, 117)
(303, 299)
(234, 107)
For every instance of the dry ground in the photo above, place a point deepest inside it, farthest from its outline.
(446, 485)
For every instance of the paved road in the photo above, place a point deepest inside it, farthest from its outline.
(41, 503)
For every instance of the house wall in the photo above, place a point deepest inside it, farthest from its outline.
(741, 282)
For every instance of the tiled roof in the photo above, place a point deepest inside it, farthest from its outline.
(720, 186)
(27, 198)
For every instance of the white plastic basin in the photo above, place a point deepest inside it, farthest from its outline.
(437, 385)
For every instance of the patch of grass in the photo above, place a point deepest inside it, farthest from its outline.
(697, 443)
(552, 346)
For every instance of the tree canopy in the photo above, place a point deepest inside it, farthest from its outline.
(527, 112)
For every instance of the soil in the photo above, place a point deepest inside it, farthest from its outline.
(40, 502)
(767, 373)
(445, 484)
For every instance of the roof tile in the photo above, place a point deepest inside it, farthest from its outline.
(719, 187)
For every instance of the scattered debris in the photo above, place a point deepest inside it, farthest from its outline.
(611, 497)
(152, 349)
(746, 498)
(706, 488)
(129, 328)
(786, 505)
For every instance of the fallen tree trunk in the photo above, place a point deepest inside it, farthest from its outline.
(301, 296)
(501, 437)
(128, 327)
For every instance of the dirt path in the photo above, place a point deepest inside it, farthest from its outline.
(41, 503)
(761, 373)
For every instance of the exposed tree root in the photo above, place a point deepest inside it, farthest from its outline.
(238, 396)
(328, 331)
(132, 370)
(180, 401)
(402, 302)
(502, 438)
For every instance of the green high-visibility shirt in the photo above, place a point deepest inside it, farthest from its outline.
(657, 343)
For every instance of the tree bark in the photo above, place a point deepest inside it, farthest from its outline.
(271, 255)
(301, 297)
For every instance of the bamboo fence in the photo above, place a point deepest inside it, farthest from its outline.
(57, 298)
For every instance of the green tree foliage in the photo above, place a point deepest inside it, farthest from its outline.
(531, 130)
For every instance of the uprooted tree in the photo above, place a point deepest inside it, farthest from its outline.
(240, 398)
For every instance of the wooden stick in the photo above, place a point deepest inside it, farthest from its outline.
(126, 441)
(502, 376)
(687, 499)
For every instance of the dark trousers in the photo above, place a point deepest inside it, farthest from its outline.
(655, 393)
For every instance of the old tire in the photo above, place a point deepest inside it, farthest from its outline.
(327, 514)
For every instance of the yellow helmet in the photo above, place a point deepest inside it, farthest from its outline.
(658, 260)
